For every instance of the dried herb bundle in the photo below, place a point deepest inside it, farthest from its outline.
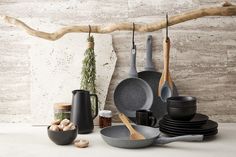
(89, 69)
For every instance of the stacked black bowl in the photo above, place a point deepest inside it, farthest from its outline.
(182, 119)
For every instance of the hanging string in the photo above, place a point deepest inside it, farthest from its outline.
(167, 24)
(133, 46)
(89, 30)
(90, 39)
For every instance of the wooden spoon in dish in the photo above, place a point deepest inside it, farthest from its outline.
(134, 135)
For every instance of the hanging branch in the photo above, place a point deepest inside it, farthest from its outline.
(227, 9)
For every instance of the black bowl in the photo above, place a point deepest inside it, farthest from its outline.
(184, 113)
(181, 101)
(181, 107)
(62, 137)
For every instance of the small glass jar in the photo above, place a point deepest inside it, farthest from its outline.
(105, 118)
(62, 111)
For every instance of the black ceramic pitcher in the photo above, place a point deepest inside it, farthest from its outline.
(81, 114)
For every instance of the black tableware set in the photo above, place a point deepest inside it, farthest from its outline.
(182, 119)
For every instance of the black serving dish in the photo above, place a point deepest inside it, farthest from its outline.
(197, 121)
(210, 128)
(62, 137)
(181, 107)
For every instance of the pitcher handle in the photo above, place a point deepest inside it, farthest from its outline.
(96, 99)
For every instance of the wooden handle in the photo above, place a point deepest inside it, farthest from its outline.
(166, 52)
(125, 120)
(165, 73)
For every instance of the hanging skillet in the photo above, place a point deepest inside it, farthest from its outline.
(152, 77)
(133, 93)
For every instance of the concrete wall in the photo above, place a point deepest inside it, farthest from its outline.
(203, 51)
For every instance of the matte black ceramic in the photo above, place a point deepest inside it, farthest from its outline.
(133, 93)
(181, 101)
(119, 136)
(152, 77)
(197, 119)
(182, 113)
(185, 125)
(181, 107)
(81, 114)
(175, 133)
(208, 129)
(145, 117)
(62, 137)
(209, 126)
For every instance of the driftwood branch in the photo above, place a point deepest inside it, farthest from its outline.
(227, 9)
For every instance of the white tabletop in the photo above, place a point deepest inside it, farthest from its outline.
(23, 140)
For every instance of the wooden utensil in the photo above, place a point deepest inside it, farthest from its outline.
(134, 135)
(166, 83)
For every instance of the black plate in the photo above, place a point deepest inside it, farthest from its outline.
(171, 133)
(188, 132)
(210, 125)
(188, 125)
(197, 119)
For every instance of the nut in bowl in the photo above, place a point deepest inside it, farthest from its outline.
(62, 132)
(181, 107)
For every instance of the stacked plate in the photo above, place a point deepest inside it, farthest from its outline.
(199, 124)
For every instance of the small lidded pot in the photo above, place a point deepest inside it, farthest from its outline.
(62, 111)
(105, 118)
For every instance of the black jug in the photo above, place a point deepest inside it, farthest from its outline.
(81, 113)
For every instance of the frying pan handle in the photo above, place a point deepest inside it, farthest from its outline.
(185, 138)
(149, 64)
(133, 70)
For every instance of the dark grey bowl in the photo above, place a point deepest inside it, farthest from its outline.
(181, 107)
(181, 101)
(62, 137)
(184, 113)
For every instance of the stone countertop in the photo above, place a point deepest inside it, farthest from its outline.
(23, 140)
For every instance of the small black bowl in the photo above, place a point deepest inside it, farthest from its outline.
(62, 137)
(181, 107)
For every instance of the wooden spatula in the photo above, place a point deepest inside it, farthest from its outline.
(134, 135)
(165, 77)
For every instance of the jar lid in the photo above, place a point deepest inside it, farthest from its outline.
(62, 106)
(105, 113)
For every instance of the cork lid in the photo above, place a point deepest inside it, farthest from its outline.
(62, 106)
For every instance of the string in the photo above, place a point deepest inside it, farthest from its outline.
(133, 36)
(167, 24)
(89, 30)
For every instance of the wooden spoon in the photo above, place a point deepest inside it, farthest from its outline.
(166, 84)
(134, 135)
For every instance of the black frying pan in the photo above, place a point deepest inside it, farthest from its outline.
(133, 93)
(118, 136)
(152, 77)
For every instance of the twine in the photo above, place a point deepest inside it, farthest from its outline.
(90, 44)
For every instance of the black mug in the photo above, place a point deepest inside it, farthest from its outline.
(145, 117)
